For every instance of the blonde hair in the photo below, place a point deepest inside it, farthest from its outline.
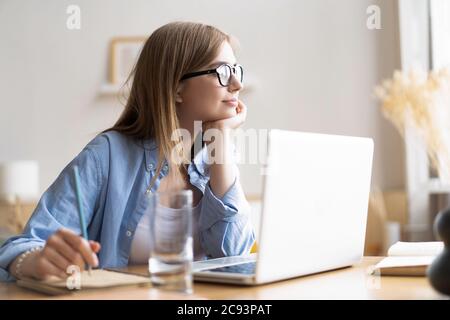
(170, 52)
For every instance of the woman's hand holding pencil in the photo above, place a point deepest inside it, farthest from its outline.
(63, 249)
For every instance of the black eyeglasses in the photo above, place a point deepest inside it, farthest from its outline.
(223, 72)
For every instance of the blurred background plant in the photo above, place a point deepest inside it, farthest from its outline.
(420, 100)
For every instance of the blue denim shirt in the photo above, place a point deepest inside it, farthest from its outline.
(115, 171)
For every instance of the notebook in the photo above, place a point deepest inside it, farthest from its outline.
(408, 258)
(99, 278)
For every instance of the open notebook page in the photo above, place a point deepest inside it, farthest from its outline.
(99, 278)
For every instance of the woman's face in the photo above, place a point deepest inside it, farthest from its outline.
(203, 98)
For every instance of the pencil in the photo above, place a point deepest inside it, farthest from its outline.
(80, 208)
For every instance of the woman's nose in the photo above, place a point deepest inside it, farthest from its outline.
(235, 84)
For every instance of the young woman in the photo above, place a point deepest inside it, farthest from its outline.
(186, 72)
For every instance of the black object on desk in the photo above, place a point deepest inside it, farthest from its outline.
(439, 271)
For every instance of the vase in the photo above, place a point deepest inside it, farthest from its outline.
(438, 272)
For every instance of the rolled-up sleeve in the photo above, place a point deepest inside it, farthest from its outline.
(225, 225)
(57, 208)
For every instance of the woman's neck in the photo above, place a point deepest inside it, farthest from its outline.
(194, 127)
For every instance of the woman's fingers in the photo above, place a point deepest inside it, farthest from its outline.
(238, 119)
(81, 246)
(242, 112)
(58, 243)
(63, 249)
(44, 269)
(56, 259)
(95, 246)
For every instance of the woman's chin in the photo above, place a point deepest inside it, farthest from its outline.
(228, 113)
(223, 114)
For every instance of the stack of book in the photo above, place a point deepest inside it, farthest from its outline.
(408, 258)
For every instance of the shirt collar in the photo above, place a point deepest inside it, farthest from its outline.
(151, 157)
(201, 161)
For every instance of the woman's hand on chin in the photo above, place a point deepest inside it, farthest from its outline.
(229, 123)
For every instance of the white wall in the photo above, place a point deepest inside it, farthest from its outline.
(315, 61)
(440, 27)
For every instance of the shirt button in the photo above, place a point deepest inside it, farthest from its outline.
(128, 233)
(150, 166)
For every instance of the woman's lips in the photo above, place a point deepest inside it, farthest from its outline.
(231, 102)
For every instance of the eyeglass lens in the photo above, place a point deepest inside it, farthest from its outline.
(224, 72)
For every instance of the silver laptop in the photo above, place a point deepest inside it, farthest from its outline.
(314, 210)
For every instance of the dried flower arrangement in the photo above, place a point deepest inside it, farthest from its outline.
(421, 100)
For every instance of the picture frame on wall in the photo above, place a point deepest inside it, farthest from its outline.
(124, 52)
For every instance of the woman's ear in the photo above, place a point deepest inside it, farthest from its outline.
(178, 98)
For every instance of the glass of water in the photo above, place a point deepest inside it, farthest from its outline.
(171, 254)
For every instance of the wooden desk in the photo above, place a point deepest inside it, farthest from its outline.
(348, 283)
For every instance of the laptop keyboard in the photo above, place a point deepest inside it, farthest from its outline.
(243, 268)
(208, 264)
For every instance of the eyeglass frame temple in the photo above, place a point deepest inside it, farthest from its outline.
(200, 73)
